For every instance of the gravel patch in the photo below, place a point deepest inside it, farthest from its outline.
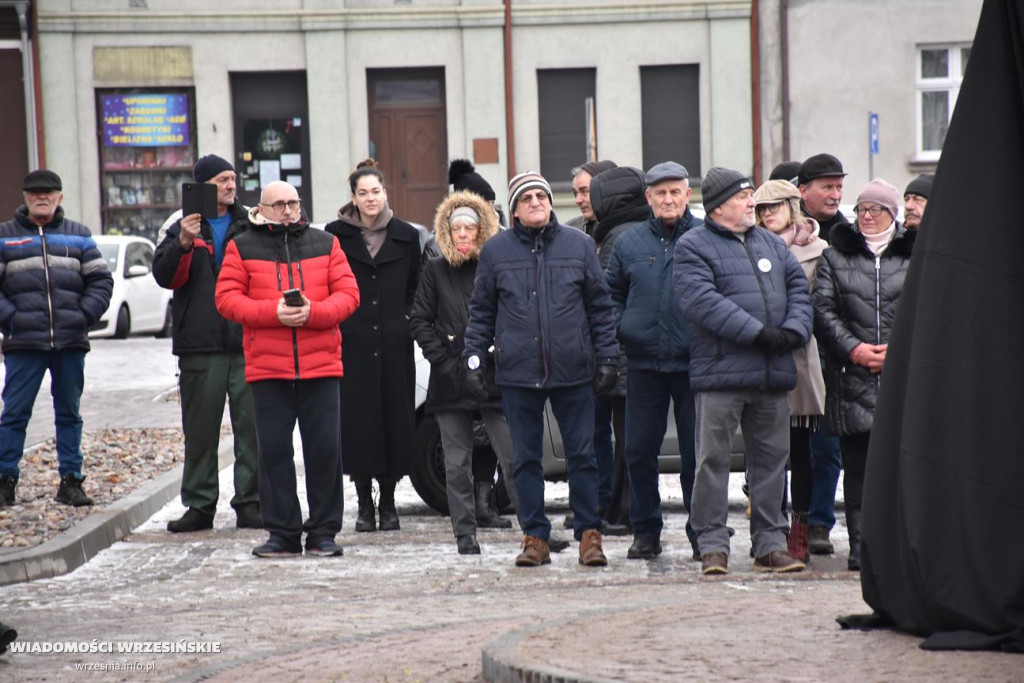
(117, 461)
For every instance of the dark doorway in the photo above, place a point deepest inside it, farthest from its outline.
(14, 160)
(271, 117)
(409, 137)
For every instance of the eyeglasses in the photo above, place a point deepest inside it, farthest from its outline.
(769, 209)
(532, 197)
(292, 204)
(873, 211)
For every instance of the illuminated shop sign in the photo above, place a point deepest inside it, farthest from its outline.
(145, 120)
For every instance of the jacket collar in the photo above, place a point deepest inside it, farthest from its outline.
(546, 233)
(682, 224)
(848, 239)
(21, 216)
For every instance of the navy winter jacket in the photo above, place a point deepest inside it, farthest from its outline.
(650, 321)
(731, 289)
(541, 298)
(54, 284)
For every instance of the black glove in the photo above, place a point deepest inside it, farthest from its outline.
(777, 340)
(475, 385)
(605, 379)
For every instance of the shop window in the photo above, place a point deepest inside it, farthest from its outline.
(147, 150)
(567, 122)
(940, 71)
(670, 115)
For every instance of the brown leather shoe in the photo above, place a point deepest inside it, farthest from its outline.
(535, 552)
(591, 554)
(714, 563)
(778, 562)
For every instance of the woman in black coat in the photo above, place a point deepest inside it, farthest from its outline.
(440, 313)
(378, 389)
(857, 288)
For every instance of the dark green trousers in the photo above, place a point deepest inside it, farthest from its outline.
(205, 380)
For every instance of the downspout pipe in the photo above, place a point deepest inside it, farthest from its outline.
(28, 61)
(755, 87)
(510, 121)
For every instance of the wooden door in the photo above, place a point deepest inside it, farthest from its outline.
(14, 164)
(409, 138)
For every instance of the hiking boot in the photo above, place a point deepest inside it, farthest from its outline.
(70, 491)
(591, 554)
(467, 544)
(535, 552)
(797, 541)
(365, 517)
(325, 548)
(557, 542)
(645, 547)
(486, 516)
(192, 520)
(817, 540)
(7, 486)
(778, 562)
(386, 508)
(272, 549)
(248, 516)
(714, 563)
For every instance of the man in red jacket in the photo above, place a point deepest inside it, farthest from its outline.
(292, 362)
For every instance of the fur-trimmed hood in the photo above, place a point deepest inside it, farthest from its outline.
(443, 228)
(848, 239)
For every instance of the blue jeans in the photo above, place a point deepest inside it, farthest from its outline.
(604, 452)
(647, 400)
(574, 410)
(25, 370)
(824, 477)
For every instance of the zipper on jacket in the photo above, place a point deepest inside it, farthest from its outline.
(538, 247)
(878, 309)
(291, 285)
(46, 274)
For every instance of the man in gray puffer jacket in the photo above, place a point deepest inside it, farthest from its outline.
(749, 305)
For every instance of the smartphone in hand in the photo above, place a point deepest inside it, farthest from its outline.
(199, 198)
(293, 297)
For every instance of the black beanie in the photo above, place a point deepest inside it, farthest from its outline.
(210, 166)
(462, 175)
(787, 170)
(921, 185)
(721, 183)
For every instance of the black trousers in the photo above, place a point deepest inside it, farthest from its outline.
(854, 450)
(316, 405)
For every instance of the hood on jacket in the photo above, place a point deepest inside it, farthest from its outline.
(617, 197)
(443, 228)
(258, 219)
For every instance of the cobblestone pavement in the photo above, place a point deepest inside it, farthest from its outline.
(404, 606)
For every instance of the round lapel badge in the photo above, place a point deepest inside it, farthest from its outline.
(764, 265)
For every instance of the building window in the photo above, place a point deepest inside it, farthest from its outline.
(670, 117)
(566, 120)
(939, 75)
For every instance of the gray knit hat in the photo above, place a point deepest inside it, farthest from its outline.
(721, 183)
(921, 185)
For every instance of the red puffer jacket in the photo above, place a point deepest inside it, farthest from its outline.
(261, 264)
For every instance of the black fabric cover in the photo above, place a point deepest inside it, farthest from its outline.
(943, 515)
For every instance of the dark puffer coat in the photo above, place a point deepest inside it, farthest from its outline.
(440, 311)
(855, 299)
(541, 299)
(54, 284)
(198, 327)
(731, 289)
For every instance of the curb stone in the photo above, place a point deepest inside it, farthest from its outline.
(76, 546)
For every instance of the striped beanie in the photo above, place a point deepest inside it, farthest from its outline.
(530, 180)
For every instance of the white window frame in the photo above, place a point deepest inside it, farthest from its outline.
(950, 85)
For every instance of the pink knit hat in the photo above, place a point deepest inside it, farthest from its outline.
(883, 193)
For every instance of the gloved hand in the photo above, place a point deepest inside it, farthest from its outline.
(778, 340)
(605, 379)
(475, 385)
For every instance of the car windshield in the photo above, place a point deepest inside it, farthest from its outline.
(109, 252)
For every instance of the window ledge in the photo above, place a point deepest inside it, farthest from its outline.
(922, 165)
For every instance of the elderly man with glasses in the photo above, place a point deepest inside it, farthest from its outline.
(541, 300)
(209, 350)
(290, 287)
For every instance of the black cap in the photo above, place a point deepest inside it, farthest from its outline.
(921, 185)
(820, 166)
(666, 170)
(787, 170)
(41, 181)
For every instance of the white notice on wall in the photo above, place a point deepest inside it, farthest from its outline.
(269, 172)
(294, 180)
(291, 161)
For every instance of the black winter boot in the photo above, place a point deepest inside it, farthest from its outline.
(365, 520)
(486, 516)
(70, 491)
(853, 526)
(386, 507)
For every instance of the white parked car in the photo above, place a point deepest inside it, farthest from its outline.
(138, 305)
